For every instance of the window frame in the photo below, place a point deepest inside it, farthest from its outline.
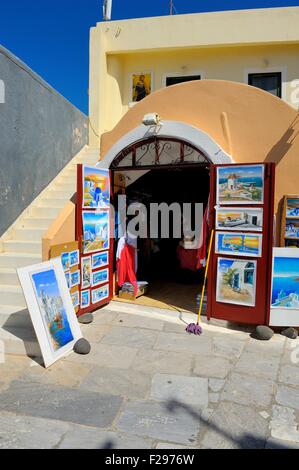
(190, 73)
(270, 70)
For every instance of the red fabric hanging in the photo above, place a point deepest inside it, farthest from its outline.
(126, 267)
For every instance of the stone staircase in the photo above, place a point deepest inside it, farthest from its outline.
(22, 246)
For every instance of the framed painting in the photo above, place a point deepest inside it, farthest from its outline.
(100, 277)
(141, 86)
(51, 309)
(75, 279)
(236, 281)
(285, 287)
(239, 244)
(292, 207)
(100, 294)
(65, 260)
(76, 299)
(100, 260)
(245, 219)
(243, 184)
(96, 188)
(74, 258)
(96, 231)
(85, 299)
(86, 272)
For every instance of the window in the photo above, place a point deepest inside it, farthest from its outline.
(185, 78)
(270, 82)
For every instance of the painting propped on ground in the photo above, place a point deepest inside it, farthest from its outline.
(51, 309)
(285, 287)
(96, 188)
(96, 230)
(244, 218)
(236, 281)
(239, 244)
(243, 184)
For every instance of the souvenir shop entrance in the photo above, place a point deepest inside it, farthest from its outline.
(165, 172)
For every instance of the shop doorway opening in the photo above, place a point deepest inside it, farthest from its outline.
(156, 172)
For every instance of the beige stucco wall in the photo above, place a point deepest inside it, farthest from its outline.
(221, 45)
(261, 126)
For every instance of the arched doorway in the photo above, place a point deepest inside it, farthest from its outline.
(165, 164)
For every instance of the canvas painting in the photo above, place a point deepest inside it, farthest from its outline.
(239, 244)
(292, 208)
(65, 259)
(100, 277)
(236, 281)
(68, 279)
(96, 229)
(51, 309)
(75, 279)
(245, 219)
(285, 287)
(74, 258)
(96, 188)
(100, 294)
(141, 86)
(76, 299)
(240, 184)
(292, 228)
(85, 299)
(100, 260)
(86, 272)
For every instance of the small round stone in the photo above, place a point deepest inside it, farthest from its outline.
(264, 333)
(86, 319)
(291, 333)
(82, 347)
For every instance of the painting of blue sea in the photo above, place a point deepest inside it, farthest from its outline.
(240, 244)
(52, 309)
(100, 277)
(65, 259)
(96, 228)
(292, 208)
(74, 258)
(285, 288)
(100, 260)
(240, 184)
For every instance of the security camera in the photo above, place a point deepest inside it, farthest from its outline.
(151, 119)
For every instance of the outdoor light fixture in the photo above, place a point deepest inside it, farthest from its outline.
(151, 119)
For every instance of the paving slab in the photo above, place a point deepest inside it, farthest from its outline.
(216, 385)
(24, 432)
(135, 321)
(274, 347)
(247, 390)
(234, 426)
(289, 375)
(288, 396)
(191, 391)
(103, 317)
(283, 415)
(58, 374)
(130, 337)
(278, 444)
(153, 362)
(285, 432)
(258, 365)
(184, 343)
(177, 424)
(212, 366)
(127, 383)
(81, 437)
(106, 355)
(227, 346)
(60, 403)
(94, 333)
(12, 369)
(169, 446)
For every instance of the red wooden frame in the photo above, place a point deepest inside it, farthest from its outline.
(79, 238)
(260, 314)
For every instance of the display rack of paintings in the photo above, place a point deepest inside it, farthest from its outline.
(69, 255)
(93, 232)
(289, 237)
(243, 199)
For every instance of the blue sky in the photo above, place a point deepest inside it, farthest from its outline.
(286, 267)
(52, 36)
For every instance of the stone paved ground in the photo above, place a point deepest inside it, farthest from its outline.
(147, 384)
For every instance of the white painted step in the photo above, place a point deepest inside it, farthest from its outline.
(14, 317)
(19, 260)
(62, 186)
(55, 194)
(9, 276)
(53, 203)
(20, 341)
(29, 234)
(23, 246)
(12, 295)
(45, 211)
(36, 222)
